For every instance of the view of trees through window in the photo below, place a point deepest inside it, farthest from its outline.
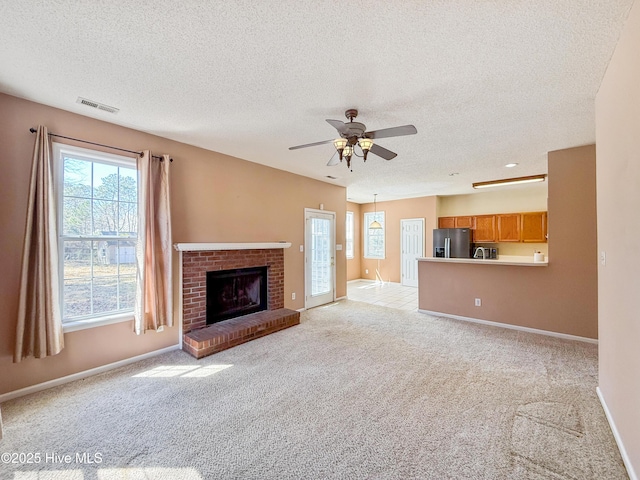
(374, 238)
(98, 237)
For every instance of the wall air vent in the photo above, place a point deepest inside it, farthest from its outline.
(99, 106)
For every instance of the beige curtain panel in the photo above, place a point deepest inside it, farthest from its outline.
(39, 328)
(154, 305)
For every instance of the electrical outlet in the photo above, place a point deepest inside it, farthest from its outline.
(478, 302)
(366, 271)
(293, 296)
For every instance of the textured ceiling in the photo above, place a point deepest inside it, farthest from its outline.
(484, 82)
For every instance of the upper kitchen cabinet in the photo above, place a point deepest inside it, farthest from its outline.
(465, 222)
(530, 227)
(508, 227)
(447, 222)
(485, 230)
(534, 227)
(457, 222)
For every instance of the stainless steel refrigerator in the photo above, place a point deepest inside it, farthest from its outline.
(452, 243)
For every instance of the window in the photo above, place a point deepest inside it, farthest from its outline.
(97, 204)
(373, 237)
(349, 235)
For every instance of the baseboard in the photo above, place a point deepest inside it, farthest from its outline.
(564, 336)
(616, 435)
(340, 298)
(369, 280)
(84, 374)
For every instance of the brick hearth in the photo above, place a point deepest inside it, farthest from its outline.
(232, 332)
(199, 339)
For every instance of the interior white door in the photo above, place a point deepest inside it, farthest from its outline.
(412, 241)
(319, 257)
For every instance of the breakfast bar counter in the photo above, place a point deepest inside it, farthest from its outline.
(516, 292)
(521, 261)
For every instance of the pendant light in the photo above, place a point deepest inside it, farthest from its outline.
(375, 225)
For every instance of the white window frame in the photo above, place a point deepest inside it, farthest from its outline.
(59, 150)
(349, 234)
(368, 218)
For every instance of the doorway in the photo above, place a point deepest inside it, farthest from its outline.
(412, 242)
(319, 259)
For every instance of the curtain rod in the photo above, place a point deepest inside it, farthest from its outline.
(33, 130)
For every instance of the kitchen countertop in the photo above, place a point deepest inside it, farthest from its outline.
(521, 261)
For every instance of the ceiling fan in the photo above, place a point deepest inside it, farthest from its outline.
(354, 133)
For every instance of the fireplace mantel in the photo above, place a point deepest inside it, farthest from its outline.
(194, 247)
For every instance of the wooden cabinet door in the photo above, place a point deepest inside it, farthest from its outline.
(508, 227)
(534, 227)
(464, 222)
(446, 222)
(485, 228)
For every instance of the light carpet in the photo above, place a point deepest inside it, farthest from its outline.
(354, 391)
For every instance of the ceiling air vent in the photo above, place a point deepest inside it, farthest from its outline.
(332, 177)
(99, 106)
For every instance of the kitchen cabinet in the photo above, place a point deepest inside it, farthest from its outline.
(465, 222)
(534, 227)
(485, 230)
(530, 227)
(456, 222)
(508, 227)
(447, 222)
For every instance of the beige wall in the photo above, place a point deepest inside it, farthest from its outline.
(396, 210)
(559, 298)
(216, 198)
(526, 198)
(618, 169)
(353, 265)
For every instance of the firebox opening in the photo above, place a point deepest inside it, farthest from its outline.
(233, 293)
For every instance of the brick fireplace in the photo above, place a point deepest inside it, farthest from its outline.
(196, 260)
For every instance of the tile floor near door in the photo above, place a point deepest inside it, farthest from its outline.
(393, 295)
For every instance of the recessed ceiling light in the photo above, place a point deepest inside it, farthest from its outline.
(511, 165)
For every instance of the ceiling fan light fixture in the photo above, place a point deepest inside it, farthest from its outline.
(365, 144)
(348, 151)
(340, 143)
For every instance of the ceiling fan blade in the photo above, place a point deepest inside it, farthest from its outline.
(310, 144)
(335, 160)
(382, 152)
(392, 132)
(338, 125)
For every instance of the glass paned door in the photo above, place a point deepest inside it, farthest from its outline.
(319, 258)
